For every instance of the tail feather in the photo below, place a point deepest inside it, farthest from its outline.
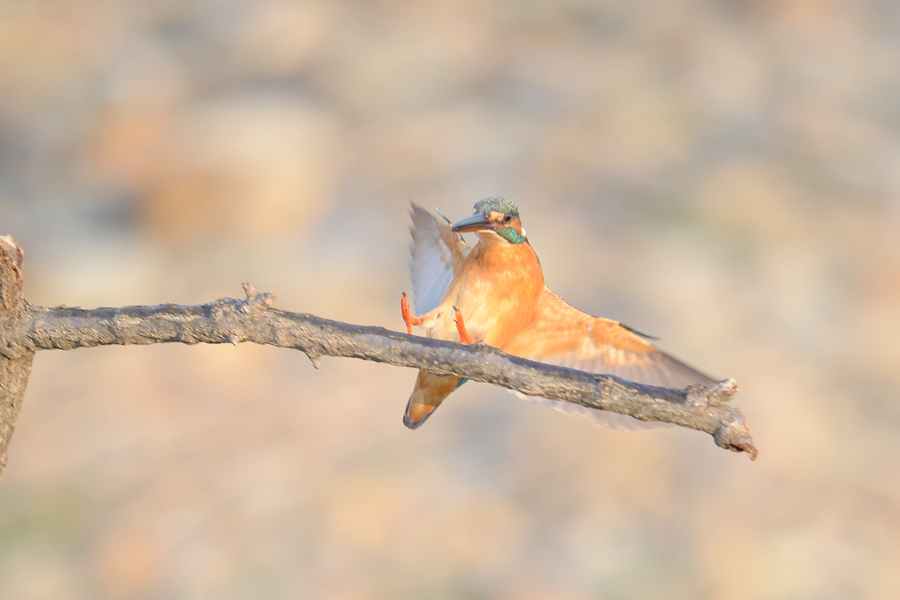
(427, 395)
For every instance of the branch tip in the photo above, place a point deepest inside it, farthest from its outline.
(735, 436)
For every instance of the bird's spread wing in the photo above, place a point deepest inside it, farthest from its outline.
(565, 336)
(435, 255)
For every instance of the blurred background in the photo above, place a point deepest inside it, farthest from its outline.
(725, 175)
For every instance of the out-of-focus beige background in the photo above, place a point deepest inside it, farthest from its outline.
(723, 174)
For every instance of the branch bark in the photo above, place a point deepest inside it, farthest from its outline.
(14, 370)
(25, 329)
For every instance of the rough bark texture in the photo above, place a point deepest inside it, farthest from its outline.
(25, 329)
(14, 369)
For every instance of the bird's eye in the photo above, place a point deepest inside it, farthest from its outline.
(507, 218)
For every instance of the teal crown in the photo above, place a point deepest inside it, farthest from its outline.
(497, 204)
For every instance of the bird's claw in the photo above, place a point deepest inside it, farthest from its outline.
(464, 336)
(407, 318)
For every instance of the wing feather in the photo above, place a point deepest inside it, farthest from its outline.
(565, 336)
(435, 255)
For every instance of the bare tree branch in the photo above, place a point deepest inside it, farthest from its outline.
(25, 329)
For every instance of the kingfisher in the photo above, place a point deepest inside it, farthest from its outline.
(494, 293)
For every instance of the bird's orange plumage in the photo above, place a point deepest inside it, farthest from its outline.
(498, 289)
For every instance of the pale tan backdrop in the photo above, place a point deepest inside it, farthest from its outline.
(723, 174)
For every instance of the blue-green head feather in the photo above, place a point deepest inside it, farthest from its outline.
(497, 204)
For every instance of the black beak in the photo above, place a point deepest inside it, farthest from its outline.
(476, 222)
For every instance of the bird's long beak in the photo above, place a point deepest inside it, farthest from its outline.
(476, 222)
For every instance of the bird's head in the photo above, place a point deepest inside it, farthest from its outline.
(495, 220)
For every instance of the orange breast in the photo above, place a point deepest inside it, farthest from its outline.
(497, 291)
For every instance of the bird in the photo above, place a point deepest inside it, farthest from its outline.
(494, 293)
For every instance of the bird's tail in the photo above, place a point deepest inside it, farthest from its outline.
(428, 394)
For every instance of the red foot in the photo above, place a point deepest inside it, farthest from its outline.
(407, 318)
(464, 336)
